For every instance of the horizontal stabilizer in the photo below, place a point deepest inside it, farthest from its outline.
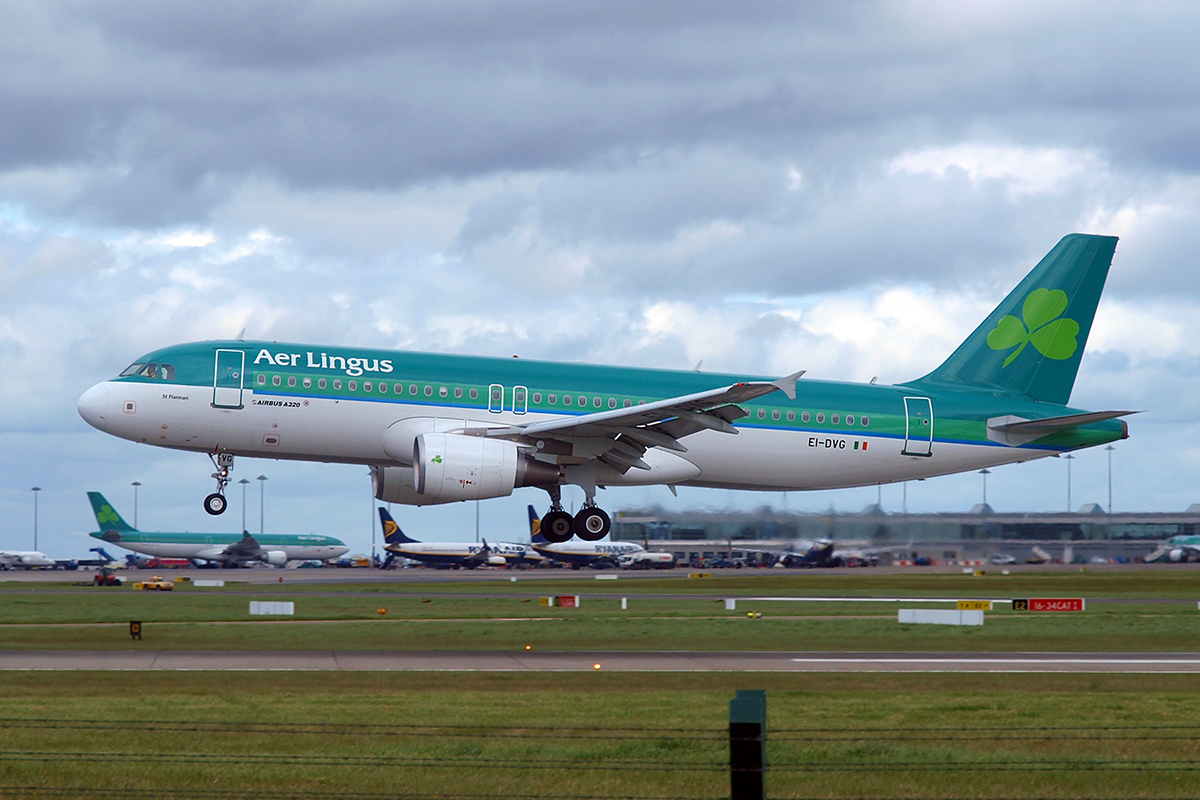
(1018, 430)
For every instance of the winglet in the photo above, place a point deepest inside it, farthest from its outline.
(788, 385)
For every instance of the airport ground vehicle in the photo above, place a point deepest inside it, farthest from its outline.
(158, 584)
(106, 577)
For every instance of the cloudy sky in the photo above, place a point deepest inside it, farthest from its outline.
(845, 188)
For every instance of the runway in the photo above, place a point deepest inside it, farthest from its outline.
(479, 661)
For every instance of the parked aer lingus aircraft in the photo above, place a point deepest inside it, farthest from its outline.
(227, 548)
(441, 428)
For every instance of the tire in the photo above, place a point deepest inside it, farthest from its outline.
(592, 524)
(558, 527)
(215, 504)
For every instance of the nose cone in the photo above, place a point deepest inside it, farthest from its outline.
(93, 406)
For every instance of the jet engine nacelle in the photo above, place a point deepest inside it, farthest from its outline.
(397, 485)
(1178, 555)
(450, 467)
(276, 558)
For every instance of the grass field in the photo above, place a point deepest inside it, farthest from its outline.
(595, 735)
(602, 735)
(1127, 612)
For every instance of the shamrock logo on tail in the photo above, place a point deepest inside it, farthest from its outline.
(107, 515)
(1051, 336)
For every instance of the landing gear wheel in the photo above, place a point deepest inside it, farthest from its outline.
(592, 524)
(215, 504)
(558, 527)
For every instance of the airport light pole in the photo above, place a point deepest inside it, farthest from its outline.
(243, 482)
(1108, 543)
(1069, 459)
(985, 472)
(261, 496)
(135, 486)
(35, 491)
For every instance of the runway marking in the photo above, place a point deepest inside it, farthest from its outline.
(1030, 660)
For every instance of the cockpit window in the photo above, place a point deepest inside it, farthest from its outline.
(167, 372)
(149, 371)
(132, 369)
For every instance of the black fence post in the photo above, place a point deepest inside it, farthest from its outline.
(748, 745)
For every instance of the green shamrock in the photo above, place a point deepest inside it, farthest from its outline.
(436, 459)
(107, 515)
(1053, 337)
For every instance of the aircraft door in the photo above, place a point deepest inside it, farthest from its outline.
(228, 379)
(918, 429)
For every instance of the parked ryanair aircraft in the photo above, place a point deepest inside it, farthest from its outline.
(227, 548)
(440, 429)
(598, 555)
(454, 554)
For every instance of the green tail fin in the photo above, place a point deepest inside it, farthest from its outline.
(1033, 342)
(106, 516)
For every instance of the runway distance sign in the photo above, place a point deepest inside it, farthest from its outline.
(1049, 604)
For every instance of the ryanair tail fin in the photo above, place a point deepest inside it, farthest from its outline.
(391, 531)
(106, 516)
(535, 528)
(1033, 342)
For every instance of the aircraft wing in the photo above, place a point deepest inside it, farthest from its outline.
(622, 435)
(244, 550)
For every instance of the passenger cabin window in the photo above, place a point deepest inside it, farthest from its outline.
(337, 383)
(582, 401)
(821, 417)
(537, 397)
(596, 402)
(443, 392)
(791, 416)
(457, 392)
(308, 383)
(382, 387)
(261, 380)
(762, 413)
(352, 386)
(322, 383)
(429, 391)
(292, 380)
(276, 380)
(474, 394)
(553, 398)
(775, 415)
(849, 419)
(366, 386)
(834, 419)
(612, 402)
(412, 388)
(805, 417)
(865, 421)
(398, 388)
(566, 399)
(628, 403)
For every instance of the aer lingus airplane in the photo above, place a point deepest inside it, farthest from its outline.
(226, 548)
(442, 428)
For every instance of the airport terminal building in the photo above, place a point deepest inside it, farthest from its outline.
(700, 536)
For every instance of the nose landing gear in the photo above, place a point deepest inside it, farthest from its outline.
(216, 503)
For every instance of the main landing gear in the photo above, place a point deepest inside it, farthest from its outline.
(216, 503)
(591, 523)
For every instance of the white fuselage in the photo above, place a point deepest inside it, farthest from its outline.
(24, 559)
(353, 431)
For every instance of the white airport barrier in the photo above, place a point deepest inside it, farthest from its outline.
(937, 616)
(607, 577)
(272, 608)
(208, 583)
(730, 604)
(624, 604)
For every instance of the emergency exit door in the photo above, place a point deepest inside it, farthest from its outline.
(918, 429)
(228, 379)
